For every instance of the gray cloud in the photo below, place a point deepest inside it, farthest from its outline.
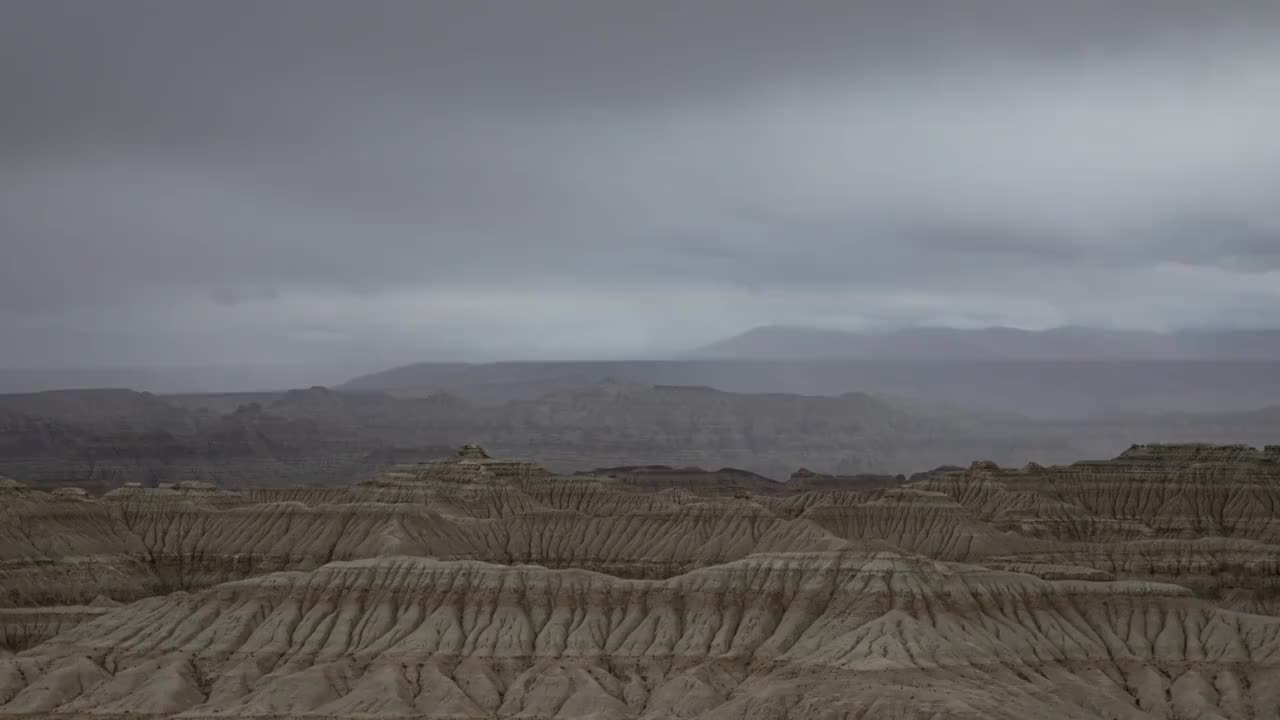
(492, 179)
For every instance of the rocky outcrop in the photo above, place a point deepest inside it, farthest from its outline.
(469, 466)
(1172, 491)
(806, 480)
(928, 523)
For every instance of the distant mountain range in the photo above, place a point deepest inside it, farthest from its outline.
(782, 342)
(1064, 373)
(932, 382)
(100, 438)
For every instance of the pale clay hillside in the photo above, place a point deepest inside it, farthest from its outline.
(1146, 587)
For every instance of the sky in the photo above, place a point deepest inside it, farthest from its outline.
(367, 183)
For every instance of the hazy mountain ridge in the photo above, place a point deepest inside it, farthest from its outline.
(781, 342)
(323, 436)
(1037, 388)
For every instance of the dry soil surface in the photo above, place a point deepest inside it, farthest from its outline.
(1141, 587)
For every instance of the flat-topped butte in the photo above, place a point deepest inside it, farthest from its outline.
(470, 465)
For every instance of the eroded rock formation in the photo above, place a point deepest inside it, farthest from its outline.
(474, 587)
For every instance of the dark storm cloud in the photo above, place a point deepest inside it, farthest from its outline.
(604, 178)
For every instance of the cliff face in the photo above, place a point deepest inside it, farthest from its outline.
(1141, 587)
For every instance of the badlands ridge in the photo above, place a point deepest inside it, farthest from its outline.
(1147, 586)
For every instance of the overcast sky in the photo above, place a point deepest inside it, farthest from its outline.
(375, 181)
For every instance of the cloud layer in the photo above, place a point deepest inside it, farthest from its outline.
(252, 182)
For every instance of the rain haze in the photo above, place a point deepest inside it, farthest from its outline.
(639, 359)
(354, 185)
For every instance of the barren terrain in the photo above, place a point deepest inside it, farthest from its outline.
(1141, 587)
